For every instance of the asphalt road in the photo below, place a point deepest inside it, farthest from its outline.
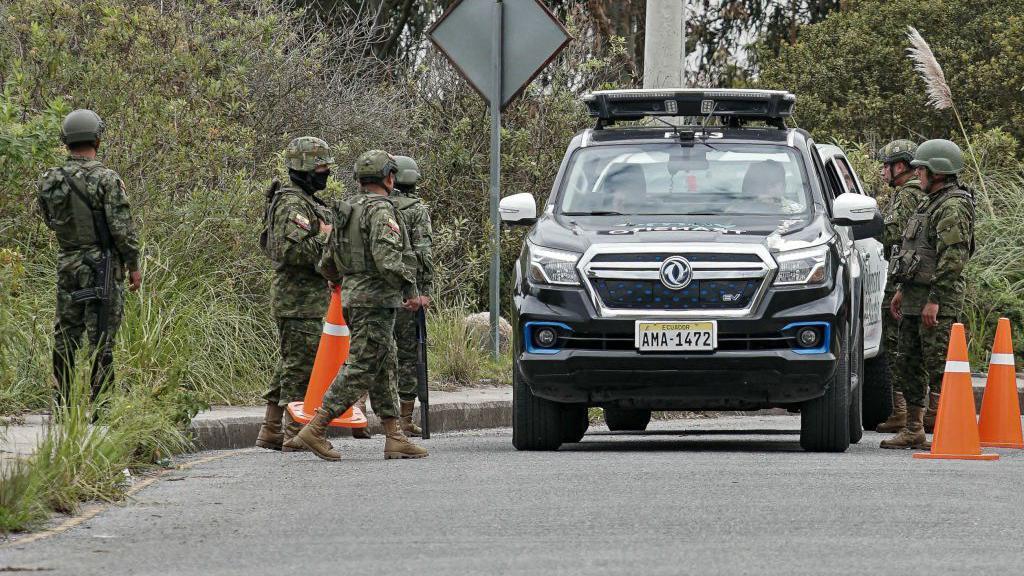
(689, 497)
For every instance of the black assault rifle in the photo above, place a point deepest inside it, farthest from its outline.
(421, 372)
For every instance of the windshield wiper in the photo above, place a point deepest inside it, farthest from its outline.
(595, 213)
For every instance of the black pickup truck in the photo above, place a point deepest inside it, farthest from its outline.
(712, 266)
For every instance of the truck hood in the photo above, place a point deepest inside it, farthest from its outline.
(578, 233)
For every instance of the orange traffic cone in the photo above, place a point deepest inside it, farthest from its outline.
(330, 355)
(956, 426)
(1000, 406)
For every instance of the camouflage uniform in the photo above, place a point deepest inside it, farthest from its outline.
(299, 295)
(949, 232)
(936, 245)
(371, 299)
(70, 218)
(293, 239)
(371, 250)
(902, 202)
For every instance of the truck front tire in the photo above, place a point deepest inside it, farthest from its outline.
(825, 421)
(537, 424)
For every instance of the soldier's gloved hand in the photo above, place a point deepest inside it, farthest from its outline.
(930, 315)
(134, 280)
(895, 309)
(325, 227)
(412, 304)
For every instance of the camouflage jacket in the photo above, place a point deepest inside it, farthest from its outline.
(416, 217)
(64, 213)
(390, 274)
(950, 230)
(902, 202)
(294, 243)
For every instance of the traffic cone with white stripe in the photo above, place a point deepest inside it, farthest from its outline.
(1000, 406)
(956, 426)
(330, 355)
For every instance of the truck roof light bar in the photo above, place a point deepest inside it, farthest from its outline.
(736, 106)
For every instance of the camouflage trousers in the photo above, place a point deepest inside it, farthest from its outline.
(298, 339)
(922, 357)
(372, 364)
(405, 339)
(891, 342)
(73, 320)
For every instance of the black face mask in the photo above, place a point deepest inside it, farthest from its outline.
(311, 182)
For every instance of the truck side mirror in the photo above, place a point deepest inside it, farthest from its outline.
(853, 209)
(518, 210)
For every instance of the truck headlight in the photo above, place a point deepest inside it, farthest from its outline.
(807, 266)
(549, 266)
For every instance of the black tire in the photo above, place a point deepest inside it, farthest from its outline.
(877, 390)
(624, 419)
(857, 392)
(536, 422)
(825, 421)
(575, 422)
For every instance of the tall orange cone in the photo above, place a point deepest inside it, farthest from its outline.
(330, 355)
(956, 425)
(1000, 406)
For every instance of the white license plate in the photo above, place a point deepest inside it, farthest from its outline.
(676, 336)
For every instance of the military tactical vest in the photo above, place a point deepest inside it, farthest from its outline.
(67, 212)
(346, 245)
(406, 202)
(917, 259)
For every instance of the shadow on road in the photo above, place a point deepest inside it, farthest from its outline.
(654, 441)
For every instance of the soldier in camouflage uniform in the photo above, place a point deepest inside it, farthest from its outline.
(373, 254)
(416, 218)
(296, 227)
(936, 245)
(74, 200)
(905, 194)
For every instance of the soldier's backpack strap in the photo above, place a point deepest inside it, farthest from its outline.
(268, 216)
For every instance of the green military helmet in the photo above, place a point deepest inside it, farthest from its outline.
(408, 171)
(374, 165)
(939, 156)
(81, 126)
(896, 151)
(306, 153)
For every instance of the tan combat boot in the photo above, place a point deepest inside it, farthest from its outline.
(270, 436)
(291, 433)
(933, 410)
(912, 436)
(409, 428)
(396, 445)
(314, 436)
(362, 433)
(898, 419)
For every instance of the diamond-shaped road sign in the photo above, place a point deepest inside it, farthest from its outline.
(531, 38)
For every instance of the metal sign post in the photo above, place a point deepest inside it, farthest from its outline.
(498, 46)
(495, 105)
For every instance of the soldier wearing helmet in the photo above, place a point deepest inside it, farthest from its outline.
(416, 217)
(904, 195)
(374, 255)
(86, 206)
(296, 227)
(935, 247)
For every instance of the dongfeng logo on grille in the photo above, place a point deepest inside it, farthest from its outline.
(676, 273)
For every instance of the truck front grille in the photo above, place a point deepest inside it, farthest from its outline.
(727, 280)
(653, 295)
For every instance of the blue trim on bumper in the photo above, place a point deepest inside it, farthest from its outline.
(826, 340)
(528, 337)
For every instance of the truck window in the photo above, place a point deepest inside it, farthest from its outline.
(669, 179)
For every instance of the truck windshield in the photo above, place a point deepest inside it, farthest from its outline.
(669, 179)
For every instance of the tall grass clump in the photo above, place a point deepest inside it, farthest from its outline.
(80, 460)
(457, 357)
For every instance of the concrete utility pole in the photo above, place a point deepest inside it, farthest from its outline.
(664, 44)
